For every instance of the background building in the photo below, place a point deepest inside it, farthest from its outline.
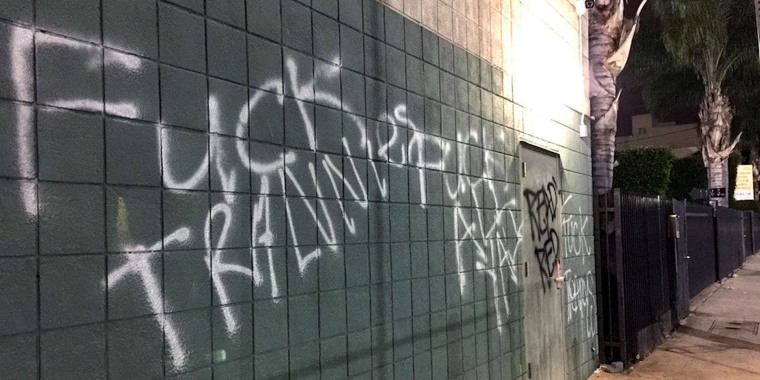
(682, 139)
(637, 127)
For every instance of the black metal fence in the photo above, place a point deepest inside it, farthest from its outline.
(729, 226)
(746, 235)
(755, 232)
(653, 256)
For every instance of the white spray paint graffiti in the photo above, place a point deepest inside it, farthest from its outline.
(581, 304)
(139, 265)
(492, 253)
(489, 239)
(491, 250)
(580, 295)
(576, 242)
(22, 82)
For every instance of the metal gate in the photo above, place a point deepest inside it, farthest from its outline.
(609, 278)
(747, 231)
(636, 275)
(681, 261)
(700, 245)
(755, 232)
(646, 271)
(653, 257)
(730, 240)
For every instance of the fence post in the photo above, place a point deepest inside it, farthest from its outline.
(715, 241)
(610, 278)
(620, 278)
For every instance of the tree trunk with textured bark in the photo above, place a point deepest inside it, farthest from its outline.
(715, 127)
(610, 38)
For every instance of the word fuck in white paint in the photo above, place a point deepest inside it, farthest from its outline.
(488, 235)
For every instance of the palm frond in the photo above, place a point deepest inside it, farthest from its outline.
(669, 90)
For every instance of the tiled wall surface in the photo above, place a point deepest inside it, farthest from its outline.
(543, 42)
(266, 188)
(482, 27)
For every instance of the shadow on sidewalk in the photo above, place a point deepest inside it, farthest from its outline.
(750, 272)
(728, 341)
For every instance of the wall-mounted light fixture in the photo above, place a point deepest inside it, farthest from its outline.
(582, 5)
(583, 128)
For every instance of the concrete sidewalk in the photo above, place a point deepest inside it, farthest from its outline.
(720, 339)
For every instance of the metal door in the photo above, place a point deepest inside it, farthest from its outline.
(700, 245)
(681, 261)
(542, 253)
(747, 234)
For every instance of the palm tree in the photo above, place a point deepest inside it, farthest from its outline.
(709, 38)
(610, 38)
(743, 88)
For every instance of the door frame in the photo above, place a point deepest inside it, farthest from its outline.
(562, 255)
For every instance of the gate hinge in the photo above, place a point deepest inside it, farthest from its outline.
(530, 373)
(524, 169)
(526, 269)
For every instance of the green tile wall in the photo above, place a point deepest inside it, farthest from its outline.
(263, 188)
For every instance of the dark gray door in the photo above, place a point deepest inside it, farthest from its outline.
(542, 256)
(700, 245)
(681, 261)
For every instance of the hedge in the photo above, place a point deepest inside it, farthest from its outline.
(644, 170)
(687, 173)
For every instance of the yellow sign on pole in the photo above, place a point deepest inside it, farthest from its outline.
(744, 190)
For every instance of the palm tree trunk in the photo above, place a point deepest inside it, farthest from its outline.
(715, 127)
(717, 174)
(610, 37)
(603, 151)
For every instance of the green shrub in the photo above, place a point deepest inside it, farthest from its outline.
(687, 173)
(644, 171)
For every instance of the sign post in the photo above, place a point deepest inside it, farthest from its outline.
(697, 194)
(717, 192)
